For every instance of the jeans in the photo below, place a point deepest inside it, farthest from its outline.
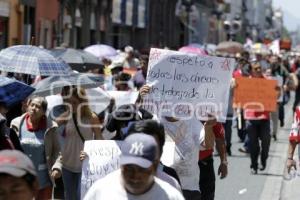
(241, 130)
(228, 131)
(274, 121)
(281, 113)
(72, 182)
(258, 130)
(207, 178)
(191, 195)
(58, 192)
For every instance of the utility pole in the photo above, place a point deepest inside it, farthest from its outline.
(98, 11)
(71, 5)
(85, 11)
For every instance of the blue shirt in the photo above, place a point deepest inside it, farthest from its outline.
(33, 144)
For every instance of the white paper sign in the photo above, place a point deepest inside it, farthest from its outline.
(167, 158)
(187, 85)
(187, 137)
(103, 158)
(123, 97)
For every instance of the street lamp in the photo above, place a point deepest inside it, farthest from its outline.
(188, 4)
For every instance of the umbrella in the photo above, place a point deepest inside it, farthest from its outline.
(33, 60)
(13, 91)
(79, 60)
(230, 47)
(98, 101)
(194, 50)
(54, 84)
(197, 45)
(102, 51)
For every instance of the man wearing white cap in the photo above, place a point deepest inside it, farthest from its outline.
(136, 179)
(130, 60)
(18, 177)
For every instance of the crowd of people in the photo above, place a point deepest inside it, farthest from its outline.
(46, 151)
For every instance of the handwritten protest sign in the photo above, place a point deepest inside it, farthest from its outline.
(103, 158)
(124, 97)
(187, 85)
(255, 93)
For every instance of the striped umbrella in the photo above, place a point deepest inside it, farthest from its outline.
(33, 60)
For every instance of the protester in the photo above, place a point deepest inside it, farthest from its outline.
(188, 140)
(294, 140)
(18, 177)
(5, 142)
(279, 72)
(136, 178)
(139, 79)
(242, 70)
(40, 143)
(258, 128)
(122, 82)
(118, 120)
(155, 129)
(206, 164)
(130, 60)
(81, 124)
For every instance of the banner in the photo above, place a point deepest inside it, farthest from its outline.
(188, 85)
(255, 93)
(130, 12)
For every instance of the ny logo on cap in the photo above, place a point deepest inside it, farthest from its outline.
(137, 148)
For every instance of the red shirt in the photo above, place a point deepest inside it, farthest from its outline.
(294, 134)
(237, 73)
(219, 132)
(42, 124)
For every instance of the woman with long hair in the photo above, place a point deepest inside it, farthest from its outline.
(81, 124)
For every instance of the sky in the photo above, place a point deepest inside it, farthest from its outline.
(291, 12)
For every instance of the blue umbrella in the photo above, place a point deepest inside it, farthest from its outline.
(33, 60)
(13, 91)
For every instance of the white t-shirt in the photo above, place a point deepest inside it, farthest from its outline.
(110, 187)
(187, 135)
(167, 178)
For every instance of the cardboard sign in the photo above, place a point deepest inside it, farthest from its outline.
(188, 85)
(103, 158)
(255, 93)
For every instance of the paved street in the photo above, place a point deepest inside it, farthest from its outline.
(266, 185)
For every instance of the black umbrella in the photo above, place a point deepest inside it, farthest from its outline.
(79, 60)
(54, 84)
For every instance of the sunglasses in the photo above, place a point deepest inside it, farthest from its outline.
(256, 69)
